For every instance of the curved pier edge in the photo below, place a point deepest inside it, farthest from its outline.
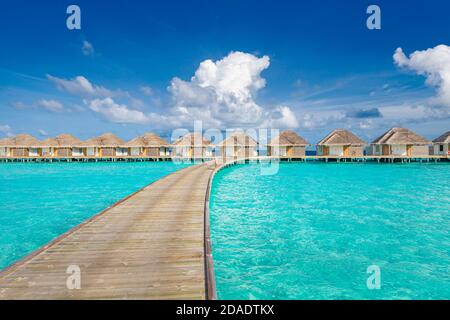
(210, 280)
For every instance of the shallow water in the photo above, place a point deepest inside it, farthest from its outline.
(312, 230)
(39, 202)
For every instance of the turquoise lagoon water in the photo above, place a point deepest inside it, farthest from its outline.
(312, 230)
(39, 202)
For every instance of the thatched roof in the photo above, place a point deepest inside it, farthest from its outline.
(193, 139)
(239, 138)
(147, 140)
(92, 142)
(288, 138)
(50, 142)
(341, 137)
(24, 140)
(5, 142)
(105, 140)
(67, 140)
(445, 138)
(400, 136)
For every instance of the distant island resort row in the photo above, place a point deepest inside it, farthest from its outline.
(396, 143)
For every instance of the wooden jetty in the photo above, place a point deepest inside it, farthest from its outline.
(150, 245)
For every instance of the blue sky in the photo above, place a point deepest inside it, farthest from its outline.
(308, 65)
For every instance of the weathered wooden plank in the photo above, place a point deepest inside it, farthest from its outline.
(148, 246)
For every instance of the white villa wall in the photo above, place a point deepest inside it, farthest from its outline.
(229, 152)
(445, 147)
(135, 151)
(398, 149)
(402, 150)
(332, 150)
(377, 150)
(90, 152)
(4, 152)
(336, 151)
(232, 151)
(47, 152)
(278, 151)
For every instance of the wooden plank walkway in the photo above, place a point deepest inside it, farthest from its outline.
(148, 246)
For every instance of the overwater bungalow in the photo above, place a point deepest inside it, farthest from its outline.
(5, 145)
(68, 146)
(91, 147)
(148, 145)
(192, 145)
(341, 143)
(24, 145)
(238, 145)
(441, 145)
(49, 147)
(112, 145)
(106, 145)
(400, 142)
(287, 144)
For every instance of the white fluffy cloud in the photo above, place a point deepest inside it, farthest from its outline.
(115, 112)
(51, 105)
(434, 64)
(282, 117)
(222, 93)
(82, 86)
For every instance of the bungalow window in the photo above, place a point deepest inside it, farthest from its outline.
(441, 148)
(90, 152)
(122, 151)
(34, 152)
(77, 152)
(162, 151)
(377, 149)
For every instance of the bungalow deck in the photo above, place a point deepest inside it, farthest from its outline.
(150, 245)
(383, 159)
(100, 159)
(371, 158)
(326, 158)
